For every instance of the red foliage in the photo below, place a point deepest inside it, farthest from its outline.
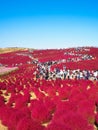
(62, 104)
(28, 124)
(73, 121)
(40, 112)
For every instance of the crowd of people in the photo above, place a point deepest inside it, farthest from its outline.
(78, 56)
(44, 72)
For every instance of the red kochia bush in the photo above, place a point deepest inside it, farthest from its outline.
(49, 104)
(66, 107)
(87, 108)
(28, 124)
(38, 94)
(72, 120)
(40, 112)
(5, 113)
(33, 102)
(15, 117)
(1, 101)
(51, 91)
(63, 93)
(25, 111)
(22, 101)
(58, 126)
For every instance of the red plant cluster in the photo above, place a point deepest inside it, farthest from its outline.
(27, 103)
(14, 58)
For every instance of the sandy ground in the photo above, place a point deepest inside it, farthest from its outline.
(2, 127)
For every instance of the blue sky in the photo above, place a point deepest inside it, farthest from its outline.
(48, 23)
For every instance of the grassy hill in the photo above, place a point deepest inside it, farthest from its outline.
(11, 49)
